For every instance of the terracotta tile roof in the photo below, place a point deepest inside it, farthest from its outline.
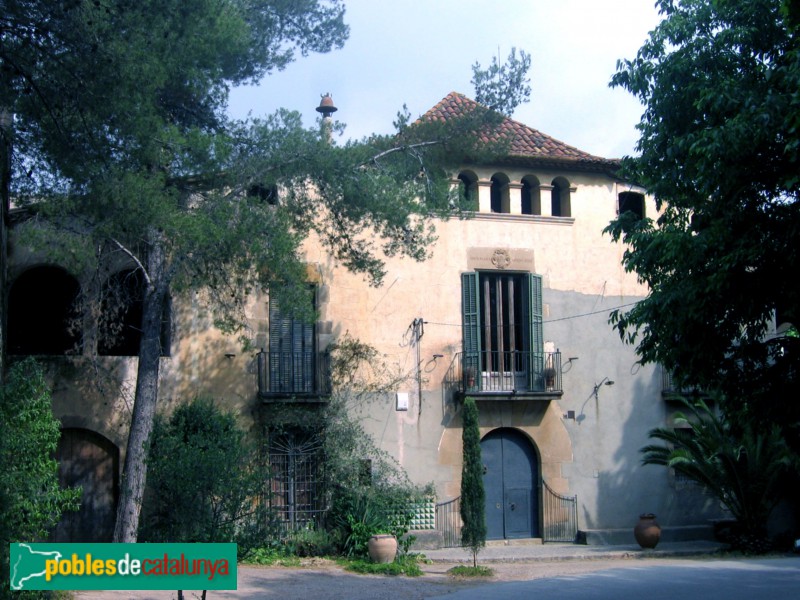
(526, 145)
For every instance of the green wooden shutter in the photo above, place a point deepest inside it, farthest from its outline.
(291, 353)
(534, 330)
(471, 328)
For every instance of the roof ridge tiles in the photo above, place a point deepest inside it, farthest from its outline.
(526, 142)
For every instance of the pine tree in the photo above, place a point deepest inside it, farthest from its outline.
(123, 148)
(473, 497)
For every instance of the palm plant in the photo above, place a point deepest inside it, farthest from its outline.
(741, 465)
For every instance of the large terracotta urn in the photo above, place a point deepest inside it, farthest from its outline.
(382, 548)
(647, 531)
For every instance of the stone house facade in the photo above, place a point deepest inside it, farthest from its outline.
(512, 308)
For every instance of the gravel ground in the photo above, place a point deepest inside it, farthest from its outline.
(324, 579)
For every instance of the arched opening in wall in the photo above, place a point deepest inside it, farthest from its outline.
(560, 198)
(44, 313)
(119, 327)
(631, 202)
(511, 480)
(501, 203)
(89, 460)
(468, 189)
(531, 196)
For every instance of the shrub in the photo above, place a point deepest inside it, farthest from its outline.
(204, 483)
(31, 501)
(744, 467)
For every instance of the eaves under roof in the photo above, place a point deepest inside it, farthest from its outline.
(527, 146)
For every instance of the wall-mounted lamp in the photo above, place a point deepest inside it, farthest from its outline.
(568, 365)
(431, 364)
(604, 381)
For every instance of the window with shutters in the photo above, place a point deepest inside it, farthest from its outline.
(292, 353)
(502, 328)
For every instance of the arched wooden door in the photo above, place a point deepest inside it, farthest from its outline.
(89, 460)
(511, 482)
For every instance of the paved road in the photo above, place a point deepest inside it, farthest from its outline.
(743, 579)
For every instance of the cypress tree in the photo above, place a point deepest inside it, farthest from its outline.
(473, 532)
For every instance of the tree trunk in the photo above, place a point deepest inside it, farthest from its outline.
(146, 397)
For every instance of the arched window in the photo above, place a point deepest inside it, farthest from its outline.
(531, 196)
(120, 322)
(501, 202)
(44, 313)
(468, 189)
(631, 202)
(560, 198)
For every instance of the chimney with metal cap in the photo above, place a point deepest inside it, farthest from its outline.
(327, 108)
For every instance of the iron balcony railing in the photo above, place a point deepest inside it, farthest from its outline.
(511, 372)
(671, 388)
(294, 374)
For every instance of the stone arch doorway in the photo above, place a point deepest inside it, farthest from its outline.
(89, 460)
(511, 480)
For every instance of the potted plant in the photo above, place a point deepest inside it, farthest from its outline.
(647, 531)
(549, 378)
(469, 377)
(382, 548)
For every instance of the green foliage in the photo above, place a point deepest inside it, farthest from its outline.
(503, 86)
(381, 509)
(473, 496)
(407, 564)
(124, 143)
(719, 147)
(204, 483)
(745, 467)
(268, 556)
(473, 571)
(31, 501)
(309, 542)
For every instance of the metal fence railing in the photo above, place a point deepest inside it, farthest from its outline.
(448, 522)
(559, 516)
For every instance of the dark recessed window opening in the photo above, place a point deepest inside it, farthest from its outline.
(560, 198)
(120, 324)
(266, 193)
(531, 196)
(631, 202)
(468, 188)
(500, 202)
(44, 313)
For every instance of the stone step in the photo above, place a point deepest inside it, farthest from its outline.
(515, 542)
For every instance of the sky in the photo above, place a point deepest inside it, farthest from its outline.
(415, 52)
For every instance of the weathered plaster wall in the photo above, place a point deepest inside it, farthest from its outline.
(595, 455)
